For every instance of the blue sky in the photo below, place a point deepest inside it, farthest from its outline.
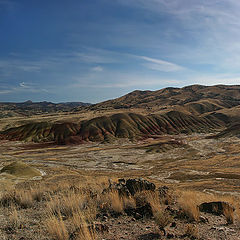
(93, 50)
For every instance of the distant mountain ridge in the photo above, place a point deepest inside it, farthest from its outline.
(195, 98)
(27, 108)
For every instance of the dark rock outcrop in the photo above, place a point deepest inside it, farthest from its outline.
(130, 186)
(216, 208)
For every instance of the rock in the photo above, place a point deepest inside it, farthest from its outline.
(138, 185)
(163, 191)
(130, 186)
(140, 212)
(121, 181)
(203, 219)
(217, 208)
(170, 235)
(105, 218)
(173, 224)
(100, 227)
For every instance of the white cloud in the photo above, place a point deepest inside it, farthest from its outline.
(160, 65)
(30, 68)
(97, 69)
(22, 87)
(122, 80)
(5, 91)
(22, 84)
(93, 57)
(218, 79)
(209, 30)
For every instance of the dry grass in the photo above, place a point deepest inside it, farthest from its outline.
(188, 203)
(229, 215)
(14, 221)
(7, 199)
(115, 201)
(84, 229)
(24, 198)
(72, 210)
(56, 228)
(66, 205)
(153, 199)
(190, 200)
(161, 217)
(70, 207)
(191, 231)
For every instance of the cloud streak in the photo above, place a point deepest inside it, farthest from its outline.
(160, 65)
(21, 87)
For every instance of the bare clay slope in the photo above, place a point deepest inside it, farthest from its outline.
(106, 128)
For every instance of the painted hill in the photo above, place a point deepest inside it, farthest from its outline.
(189, 109)
(106, 128)
(232, 131)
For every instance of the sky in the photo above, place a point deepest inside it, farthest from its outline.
(94, 50)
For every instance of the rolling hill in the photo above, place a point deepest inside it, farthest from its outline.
(189, 109)
(195, 99)
(106, 128)
(28, 108)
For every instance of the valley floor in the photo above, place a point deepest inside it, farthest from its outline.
(182, 163)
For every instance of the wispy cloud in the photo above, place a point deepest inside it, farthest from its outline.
(225, 79)
(114, 79)
(160, 65)
(5, 91)
(21, 87)
(204, 31)
(97, 69)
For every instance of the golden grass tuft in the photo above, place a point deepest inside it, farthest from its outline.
(66, 205)
(56, 227)
(24, 198)
(161, 217)
(191, 231)
(14, 221)
(190, 200)
(189, 203)
(229, 215)
(85, 230)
